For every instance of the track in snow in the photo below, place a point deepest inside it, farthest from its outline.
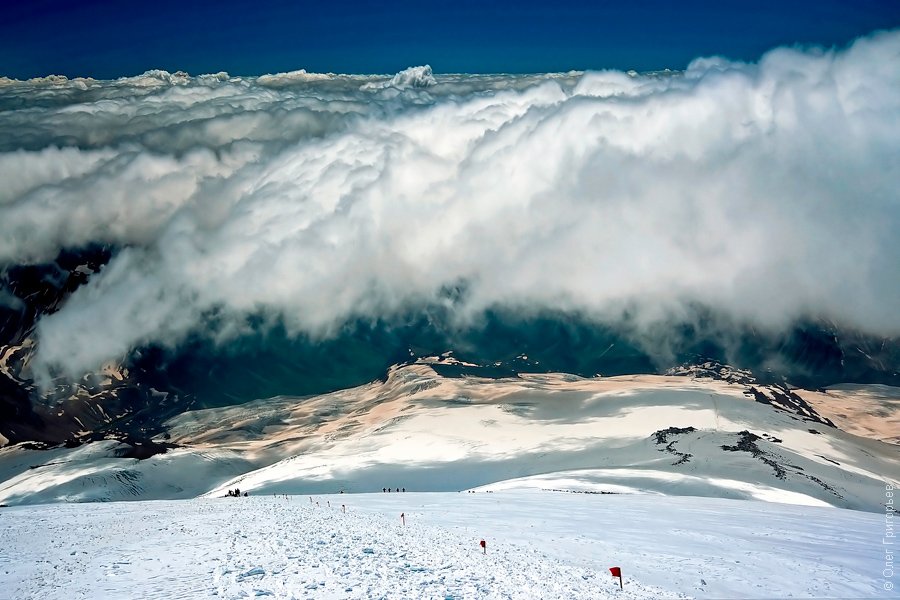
(272, 547)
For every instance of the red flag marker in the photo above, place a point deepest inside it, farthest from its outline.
(483, 545)
(617, 572)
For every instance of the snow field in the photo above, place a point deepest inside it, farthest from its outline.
(273, 547)
(540, 545)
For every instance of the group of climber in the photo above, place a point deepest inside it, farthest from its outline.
(236, 492)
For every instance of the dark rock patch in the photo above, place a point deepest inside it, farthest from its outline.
(662, 437)
(747, 443)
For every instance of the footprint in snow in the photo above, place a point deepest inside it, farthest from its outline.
(252, 572)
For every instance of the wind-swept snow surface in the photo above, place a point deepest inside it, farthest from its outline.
(539, 545)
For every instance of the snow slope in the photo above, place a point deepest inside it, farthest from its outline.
(419, 430)
(539, 544)
(427, 432)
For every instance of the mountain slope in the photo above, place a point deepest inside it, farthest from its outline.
(675, 435)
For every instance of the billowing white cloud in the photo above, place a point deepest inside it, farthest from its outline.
(766, 191)
(413, 77)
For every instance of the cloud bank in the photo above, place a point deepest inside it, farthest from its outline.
(767, 192)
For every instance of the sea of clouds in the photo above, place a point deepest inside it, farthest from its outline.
(765, 191)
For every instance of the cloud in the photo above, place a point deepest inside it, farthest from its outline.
(413, 77)
(766, 192)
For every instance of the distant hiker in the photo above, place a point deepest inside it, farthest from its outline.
(384, 489)
(404, 489)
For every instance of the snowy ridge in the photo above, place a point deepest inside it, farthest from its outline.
(666, 435)
(445, 434)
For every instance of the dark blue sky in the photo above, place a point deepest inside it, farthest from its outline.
(111, 39)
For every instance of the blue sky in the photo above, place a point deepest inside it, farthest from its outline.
(111, 39)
